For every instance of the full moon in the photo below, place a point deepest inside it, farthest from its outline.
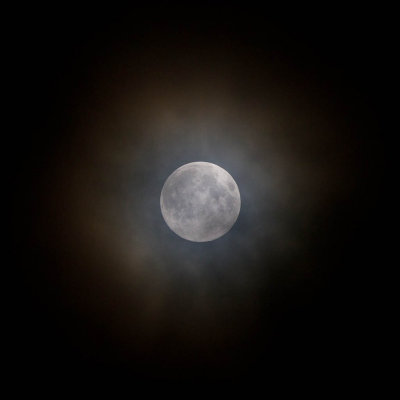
(200, 201)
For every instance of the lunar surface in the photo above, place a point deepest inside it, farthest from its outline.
(200, 201)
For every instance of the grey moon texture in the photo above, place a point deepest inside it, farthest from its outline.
(200, 201)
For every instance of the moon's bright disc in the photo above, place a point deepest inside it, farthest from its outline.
(200, 201)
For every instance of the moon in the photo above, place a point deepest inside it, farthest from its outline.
(200, 201)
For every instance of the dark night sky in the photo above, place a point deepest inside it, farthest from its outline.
(113, 102)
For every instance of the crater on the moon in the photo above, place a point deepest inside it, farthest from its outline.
(200, 201)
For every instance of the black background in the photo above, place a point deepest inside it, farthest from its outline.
(319, 326)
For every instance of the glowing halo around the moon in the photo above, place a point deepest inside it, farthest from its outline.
(200, 201)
